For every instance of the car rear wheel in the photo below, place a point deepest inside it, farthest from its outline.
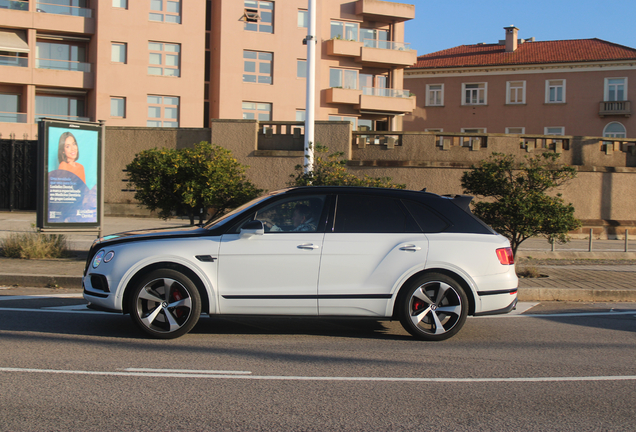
(165, 304)
(434, 307)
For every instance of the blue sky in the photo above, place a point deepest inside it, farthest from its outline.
(442, 24)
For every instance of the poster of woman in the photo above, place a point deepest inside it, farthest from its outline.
(72, 161)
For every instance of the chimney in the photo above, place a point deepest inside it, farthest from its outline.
(511, 38)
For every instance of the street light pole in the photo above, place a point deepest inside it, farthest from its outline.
(311, 88)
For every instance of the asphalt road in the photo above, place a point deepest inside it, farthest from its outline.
(556, 366)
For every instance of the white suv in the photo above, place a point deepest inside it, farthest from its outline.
(312, 251)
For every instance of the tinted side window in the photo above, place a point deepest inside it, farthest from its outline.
(371, 214)
(428, 220)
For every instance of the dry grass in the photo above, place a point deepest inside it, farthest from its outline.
(528, 272)
(34, 245)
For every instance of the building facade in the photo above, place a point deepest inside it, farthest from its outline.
(567, 87)
(177, 63)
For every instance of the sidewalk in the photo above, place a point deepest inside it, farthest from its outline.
(572, 273)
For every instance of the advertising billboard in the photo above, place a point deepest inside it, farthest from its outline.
(70, 172)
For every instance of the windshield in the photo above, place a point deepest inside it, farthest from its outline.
(228, 216)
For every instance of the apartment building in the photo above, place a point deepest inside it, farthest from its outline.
(177, 63)
(517, 86)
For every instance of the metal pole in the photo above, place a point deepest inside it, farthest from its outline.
(626, 241)
(590, 250)
(311, 88)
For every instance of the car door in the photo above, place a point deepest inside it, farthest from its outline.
(276, 271)
(374, 242)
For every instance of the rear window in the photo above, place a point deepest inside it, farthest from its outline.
(371, 214)
(428, 220)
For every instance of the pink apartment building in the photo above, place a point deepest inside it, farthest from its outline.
(516, 86)
(177, 63)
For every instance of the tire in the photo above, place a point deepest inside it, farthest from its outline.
(165, 304)
(434, 307)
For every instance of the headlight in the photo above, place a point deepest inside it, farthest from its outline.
(109, 256)
(97, 260)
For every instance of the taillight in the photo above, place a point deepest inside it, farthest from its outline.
(505, 256)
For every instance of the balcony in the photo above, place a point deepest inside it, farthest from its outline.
(64, 10)
(615, 108)
(385, 100)
(373, 51)
(12, 117)
(17, 61)
(14, 5)
(66, 65)
(384, 11)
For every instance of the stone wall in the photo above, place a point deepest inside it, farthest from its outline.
(602, 194)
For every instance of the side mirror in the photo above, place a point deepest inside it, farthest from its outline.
(252, 228)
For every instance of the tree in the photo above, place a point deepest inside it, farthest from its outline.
(190, 180)
(331, 170)
(520, 207)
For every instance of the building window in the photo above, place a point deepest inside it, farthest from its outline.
(516, 92)
(474, 94)
(374, 85)
(554, 130)
(344, 30)
(257, 111)
(118, 107)
(163, 59)
(474, 130)
(434, 130)
(434, 94)
(301, 69)
(60, 106)
(303, 18)
(375, 38)
(259, 16)
(163, 111)
(10, 109)
(300, 115)
(122, 4)
(165, 11)
(352, 120)
(515, 130)
(257, 67)
(61, 56)
(614, 130)
(555, 91)
(615, 89)
(343, 78)
(118, 52)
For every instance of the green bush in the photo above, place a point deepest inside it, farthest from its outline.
(34, 245)
(190, 180)
(331, 170)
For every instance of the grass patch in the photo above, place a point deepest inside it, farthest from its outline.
(34, 245)
(528, 272)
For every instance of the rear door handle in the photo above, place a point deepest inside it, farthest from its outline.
(410, 248)
(309, 246)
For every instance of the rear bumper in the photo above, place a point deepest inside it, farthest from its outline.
(498, 302)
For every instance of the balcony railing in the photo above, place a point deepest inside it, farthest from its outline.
(62, 65)
(13, 61)
(385, 92)
(12, 117)
(389, 45)
(39, 117)
(64, 10)
(609, 108)
(14, 4)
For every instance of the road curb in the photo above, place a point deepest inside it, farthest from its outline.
(52, 281)
(575, 294)
(569, 255)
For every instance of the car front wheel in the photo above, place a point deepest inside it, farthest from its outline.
(434, 307)
(165, 304)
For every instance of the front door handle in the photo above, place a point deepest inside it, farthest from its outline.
(309, 246)
(410, 248)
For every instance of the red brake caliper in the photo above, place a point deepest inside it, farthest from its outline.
(176, 295)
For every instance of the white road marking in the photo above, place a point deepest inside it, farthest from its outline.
(31, 297)
(188, 371)
(83, 310)
(209, 374)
